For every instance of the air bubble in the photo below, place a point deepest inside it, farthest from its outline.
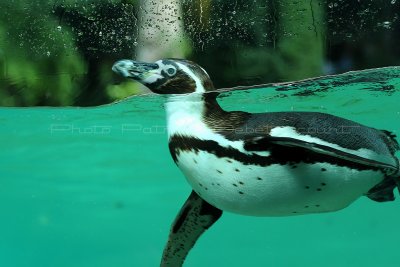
(385, 24)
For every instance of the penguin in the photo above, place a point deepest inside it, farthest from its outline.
(259, 164)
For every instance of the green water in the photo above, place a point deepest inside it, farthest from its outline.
(96, 187)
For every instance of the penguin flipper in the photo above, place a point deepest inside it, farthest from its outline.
(194, 218)
(265, 142)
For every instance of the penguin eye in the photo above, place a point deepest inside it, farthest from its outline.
(171, 71)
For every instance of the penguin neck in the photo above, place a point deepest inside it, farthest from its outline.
(185, 114)
(200, 114)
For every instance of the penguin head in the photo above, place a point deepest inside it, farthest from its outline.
(166, 76)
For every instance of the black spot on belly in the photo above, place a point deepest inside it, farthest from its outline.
(237, 170)
(241, 183)
(195, 161)
(240, 192)
(259, 178)
(219, 171)
(306, 207)
(294, 212)
(235, 185)
(200, 185)
(319, 189)
(228, 160)
(323, 169)
(307, 187)
(317, 205)
(323, 184)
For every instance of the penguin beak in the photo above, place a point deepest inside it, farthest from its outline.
(133, 69)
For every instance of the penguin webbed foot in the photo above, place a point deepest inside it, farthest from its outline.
(194, 218)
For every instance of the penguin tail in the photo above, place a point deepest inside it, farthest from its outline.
(391, 141)
(383, 191)
(397, 175)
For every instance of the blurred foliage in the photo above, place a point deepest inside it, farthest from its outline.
(33, 76)
(278, 40)
(367, 32)
(60, 53)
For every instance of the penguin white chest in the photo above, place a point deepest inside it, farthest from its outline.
(274, 190)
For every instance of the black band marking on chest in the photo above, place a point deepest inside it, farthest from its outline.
(278, 154)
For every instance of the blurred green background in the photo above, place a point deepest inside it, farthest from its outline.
(58, 53)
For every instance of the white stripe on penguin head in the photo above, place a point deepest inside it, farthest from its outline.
(199, 84)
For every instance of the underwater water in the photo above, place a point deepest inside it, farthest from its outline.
(83, 187)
